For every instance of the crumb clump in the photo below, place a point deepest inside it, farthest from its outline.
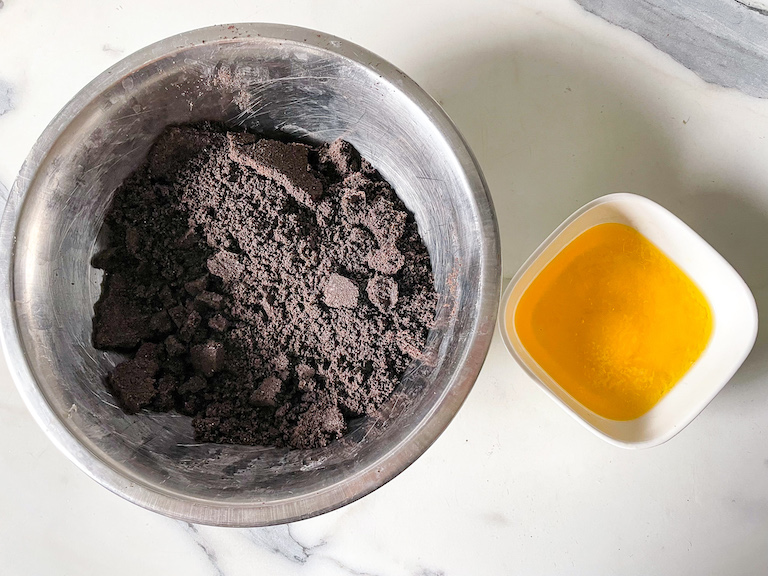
(271, 290)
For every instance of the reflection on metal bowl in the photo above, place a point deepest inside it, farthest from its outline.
(267, 78)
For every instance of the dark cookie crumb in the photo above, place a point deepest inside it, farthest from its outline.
(133, 382)
(340, 292)
(270, 290)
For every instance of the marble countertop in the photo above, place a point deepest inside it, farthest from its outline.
(560, 106)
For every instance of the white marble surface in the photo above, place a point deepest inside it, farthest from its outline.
(559, 107)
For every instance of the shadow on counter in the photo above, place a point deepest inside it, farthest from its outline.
(555, 125)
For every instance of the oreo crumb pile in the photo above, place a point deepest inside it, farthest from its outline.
(272, 291)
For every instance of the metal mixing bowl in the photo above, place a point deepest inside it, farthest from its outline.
(268, 78)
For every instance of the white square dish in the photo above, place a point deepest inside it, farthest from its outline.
(733, 310)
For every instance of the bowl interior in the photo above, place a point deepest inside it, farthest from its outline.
(267, 84)
(733, 309)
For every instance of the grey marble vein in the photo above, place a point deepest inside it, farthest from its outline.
(111, 49)
(280, 540)
(7, 96)
(722, 41)
(761, 7)
(349, 570)
(209, 552)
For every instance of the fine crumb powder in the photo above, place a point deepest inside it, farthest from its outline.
(271, 290)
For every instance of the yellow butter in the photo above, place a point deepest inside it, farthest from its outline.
(613, 321)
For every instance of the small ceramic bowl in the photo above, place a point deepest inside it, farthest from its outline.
(733, 308)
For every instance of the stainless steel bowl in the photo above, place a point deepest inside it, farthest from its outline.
(268, 78)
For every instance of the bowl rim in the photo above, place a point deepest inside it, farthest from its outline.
(367, 479)
(511, 345)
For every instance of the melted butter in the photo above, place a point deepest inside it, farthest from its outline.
(613, 321)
